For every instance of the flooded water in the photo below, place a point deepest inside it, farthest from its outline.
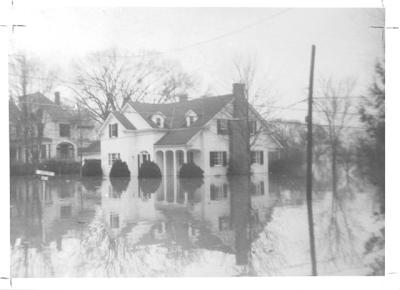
(172, 227)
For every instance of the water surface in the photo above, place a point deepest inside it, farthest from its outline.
(67, 227)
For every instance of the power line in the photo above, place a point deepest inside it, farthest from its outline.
(206, 41)
(316, 125)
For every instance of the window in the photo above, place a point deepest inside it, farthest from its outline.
(257, 157)
(222, 127)
(218, 158)
(158, 119)
(144, 156)
(112, 157)
(190, 121)
(253, 127)
(257, 189)
(113, 130)
(191, 117)
(218, 192)
(65, 130)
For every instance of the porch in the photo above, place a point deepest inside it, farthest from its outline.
(170, 160)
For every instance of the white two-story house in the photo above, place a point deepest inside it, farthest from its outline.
(171, 134)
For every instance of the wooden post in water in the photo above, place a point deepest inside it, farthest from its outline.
(309, 165)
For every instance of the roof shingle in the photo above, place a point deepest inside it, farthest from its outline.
(205, 108)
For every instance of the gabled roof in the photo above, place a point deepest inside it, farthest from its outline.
(178, 136)
(205, 108)
(124, 121)
(56, 112)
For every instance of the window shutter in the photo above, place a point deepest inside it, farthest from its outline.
(224, 158)
(261, 157)
(218, 126)
(109, 130)
(211, 159)
(116, 130)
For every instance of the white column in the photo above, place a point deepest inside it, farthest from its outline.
(174, 162)
(174, 174)
(184, 156)
(164, 163)
(164, 178)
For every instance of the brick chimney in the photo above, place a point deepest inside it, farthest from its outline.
(239, 132)
(57, 98)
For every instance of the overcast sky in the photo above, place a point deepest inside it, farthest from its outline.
(207, 40)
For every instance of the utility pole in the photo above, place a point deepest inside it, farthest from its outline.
(309, 164)
(80, 138)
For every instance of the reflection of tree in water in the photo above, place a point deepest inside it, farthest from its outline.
(91, 184)
(149, 186)
(190, 185)
(119, 185)
(339, 235)
(30, 250)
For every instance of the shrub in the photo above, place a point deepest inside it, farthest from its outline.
(149, 185)
(149, 169)
(190, 170)
(92, 167)
(119, 169)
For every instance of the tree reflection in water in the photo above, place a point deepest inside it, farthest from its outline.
(119, 185)
(149, 186)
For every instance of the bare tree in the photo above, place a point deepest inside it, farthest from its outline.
(256, 106)
(106, 80)
(259, 91)
(335, 103)
(29, 75)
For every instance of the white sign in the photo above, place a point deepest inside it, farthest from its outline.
(43, 172)
(44, 177)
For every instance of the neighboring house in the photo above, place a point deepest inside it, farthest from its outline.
(186, 131)
(14, 129)
(49, 130)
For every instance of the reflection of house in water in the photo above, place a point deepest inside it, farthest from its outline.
(214, 213)
(42, 213)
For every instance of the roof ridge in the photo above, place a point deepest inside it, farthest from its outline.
(178, 102)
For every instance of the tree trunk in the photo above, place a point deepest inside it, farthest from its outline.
(334, 170)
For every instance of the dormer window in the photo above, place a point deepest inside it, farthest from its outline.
(191, 117)
(158, 119)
